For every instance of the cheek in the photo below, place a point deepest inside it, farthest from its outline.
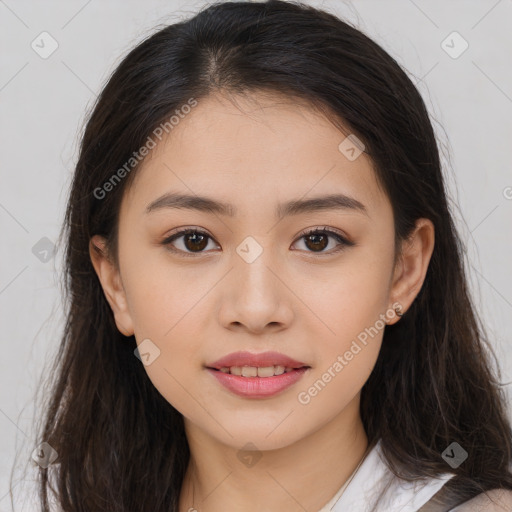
(167, 317)
(161, 294)
(173, 316)
(167, 305)
(351, 306)
(350, 298)
(348, 343)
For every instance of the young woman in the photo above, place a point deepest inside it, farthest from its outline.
(268, 308)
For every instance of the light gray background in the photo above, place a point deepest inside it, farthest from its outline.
(43, 103)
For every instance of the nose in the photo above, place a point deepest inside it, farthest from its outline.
(255, 296)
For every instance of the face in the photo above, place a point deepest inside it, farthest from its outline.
(249, 280)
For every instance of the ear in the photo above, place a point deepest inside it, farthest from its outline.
(412, 265)
(110, 279)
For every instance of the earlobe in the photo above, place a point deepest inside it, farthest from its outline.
(411, 268)
(110, 280)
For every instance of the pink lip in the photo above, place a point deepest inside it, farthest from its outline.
(261, 360)
(258, 387)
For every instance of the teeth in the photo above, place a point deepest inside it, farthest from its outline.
(267, 371)
(253, 371)
(249, 371)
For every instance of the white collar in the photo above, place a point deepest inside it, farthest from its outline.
(373, 479)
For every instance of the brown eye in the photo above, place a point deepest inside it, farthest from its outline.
(317, 240)
(194, 241)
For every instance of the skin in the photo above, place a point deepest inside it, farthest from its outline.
(255, 152)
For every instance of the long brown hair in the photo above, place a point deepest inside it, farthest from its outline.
(121, 446)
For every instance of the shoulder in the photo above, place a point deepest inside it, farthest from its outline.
(497, 500)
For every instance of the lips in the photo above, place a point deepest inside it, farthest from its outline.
(261, 360)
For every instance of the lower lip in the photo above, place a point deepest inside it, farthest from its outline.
(258, 387)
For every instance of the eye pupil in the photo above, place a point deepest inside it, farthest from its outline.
(198, 241)
(315, 242)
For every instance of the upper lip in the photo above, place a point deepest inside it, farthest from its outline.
(261, 360)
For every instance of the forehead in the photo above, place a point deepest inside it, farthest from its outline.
(255, 149)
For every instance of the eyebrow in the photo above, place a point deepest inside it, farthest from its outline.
(294, 207)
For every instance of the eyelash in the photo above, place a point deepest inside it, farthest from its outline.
(339, 238)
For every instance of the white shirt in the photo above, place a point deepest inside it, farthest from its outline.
(373, 479)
